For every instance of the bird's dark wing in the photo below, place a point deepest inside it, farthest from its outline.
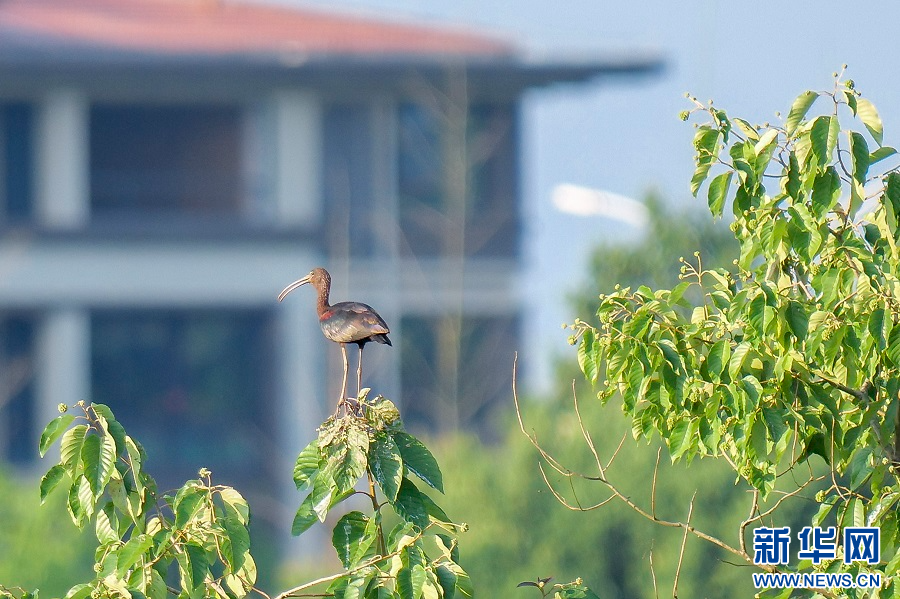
(347, 322)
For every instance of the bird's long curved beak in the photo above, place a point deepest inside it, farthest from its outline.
(293, 286)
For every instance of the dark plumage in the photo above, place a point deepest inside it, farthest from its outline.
(343, 322)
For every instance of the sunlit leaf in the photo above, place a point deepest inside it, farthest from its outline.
(386, 465)
(870, 118)
(798, 111)
(419, 460)
(54, 430)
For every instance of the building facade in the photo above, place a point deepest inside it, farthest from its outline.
(167, 167)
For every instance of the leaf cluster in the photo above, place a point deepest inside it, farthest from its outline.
(419, 557)
(200, 530)
(794, 352)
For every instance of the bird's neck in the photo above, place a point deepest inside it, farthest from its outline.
(322, 305)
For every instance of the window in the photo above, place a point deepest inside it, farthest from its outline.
(166, 160)
(349, 180)
(18, 440)
(192, 387)
(16, 158)
(453, 201)
(455, 373)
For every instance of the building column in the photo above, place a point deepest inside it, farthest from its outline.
(63, 361)
(62, 152)
(298, 149)
(301, 408)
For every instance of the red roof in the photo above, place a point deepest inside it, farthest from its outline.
(230, 27)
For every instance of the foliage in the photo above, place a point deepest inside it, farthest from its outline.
(29, 531)
(198, 535)
(517, 531)
(794, 352)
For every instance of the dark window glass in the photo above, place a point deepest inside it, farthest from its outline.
(453, 201)
(193, 387)
(16, 158)
(493, 223)
(455, 374)
(182, 160)
(348, 180)
(18, 441)
(420, 186)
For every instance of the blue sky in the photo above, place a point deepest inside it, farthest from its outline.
(751, 58)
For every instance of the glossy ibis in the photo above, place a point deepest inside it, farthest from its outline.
(344, 322)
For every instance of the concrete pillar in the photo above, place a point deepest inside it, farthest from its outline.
(298, 147)
(62, 198)
(302, 407)
(63, 357)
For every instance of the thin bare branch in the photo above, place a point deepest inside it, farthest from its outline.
(575, 508)
(584, 432)
(683, 545)
(653, 485)
(653, 574)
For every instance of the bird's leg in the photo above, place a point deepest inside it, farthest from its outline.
(359, 373)
(343, 398)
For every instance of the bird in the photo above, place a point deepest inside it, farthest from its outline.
(343, 322)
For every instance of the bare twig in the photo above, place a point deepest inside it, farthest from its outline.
(683, 545)
(615, 490)
(653, 486)
(653, 573)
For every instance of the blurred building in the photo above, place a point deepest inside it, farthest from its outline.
(166, 167)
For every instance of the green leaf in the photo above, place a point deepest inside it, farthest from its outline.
(706, 142)
(189, 501)
(798, 319)
(386, 465)
(348, 535)
(419, 460)
(881, 153)
(316, 505)
(54, 430)
(346, 459)
(869, 116)
(718, 356)
(307, 464)
(410, 506)
(718, 191)
(447, 579)
(196, 565)
(737, 359)
(876, 327)
(410, 582)
(825, 192)
(238, 541)
(587, 356)
(81, 501)
(860, 150)
(859, 469)
(133, 550)
(382, 413)
(823, 139)
(50, 480)
(79, 591)
(775, 423)
(70, 448)
(798, 111)
(680, 438)
(236, 504)
(747, 129)
(98, 454)
(107, 524)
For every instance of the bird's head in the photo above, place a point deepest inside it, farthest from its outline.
(317, 277)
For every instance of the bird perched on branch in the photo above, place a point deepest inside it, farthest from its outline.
(344, 322)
